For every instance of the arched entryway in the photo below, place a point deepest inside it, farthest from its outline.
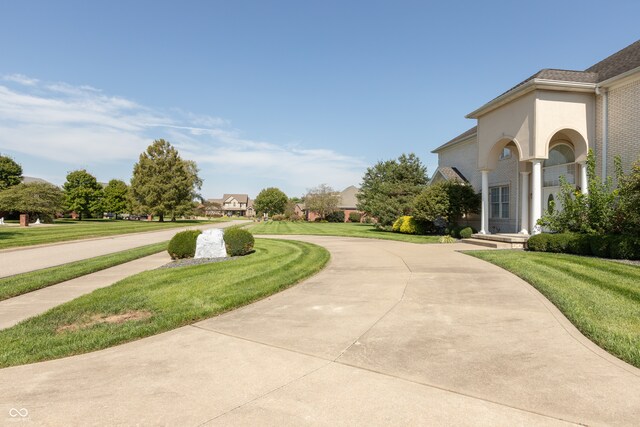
(561, 163)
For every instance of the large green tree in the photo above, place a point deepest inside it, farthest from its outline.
(163, 183)
(116, 197)
(323, 200)
(449, 201)
(38, 199)
(83, 193)
(271, 201)
(389, 188)
(10, 172)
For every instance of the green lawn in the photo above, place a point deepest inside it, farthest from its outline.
(63, 230)
(22, 283)
(157, 301)
(601, 298)
(347, 229)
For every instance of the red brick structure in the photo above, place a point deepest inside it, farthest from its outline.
(24, 220)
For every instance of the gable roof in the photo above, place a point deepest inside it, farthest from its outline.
(450, 174)
(614, 65)
(348, 197)
(241, 198)
(462, 137)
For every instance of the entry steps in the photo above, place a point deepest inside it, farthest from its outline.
(498, 241)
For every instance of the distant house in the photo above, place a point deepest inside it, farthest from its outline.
(32, 179)
(347, 204)
(232, 204)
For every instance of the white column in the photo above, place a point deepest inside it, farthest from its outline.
(584, 183)
(485, 203)
(536, 196)
(524, 203)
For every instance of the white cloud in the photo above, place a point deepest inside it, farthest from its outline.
(81, 125)
(20, 79)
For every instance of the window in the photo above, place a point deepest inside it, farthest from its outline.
(499, 201)
(561, 162)
(506, 153)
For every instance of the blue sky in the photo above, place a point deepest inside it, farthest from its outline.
(272, 93)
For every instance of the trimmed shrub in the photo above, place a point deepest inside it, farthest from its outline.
(335, 216)
(398, 224)
(355, 217)
(466, 233)
(412, 226)
(625, 247)
(238, 242)
(183, 244)
(538, 243)
(600, 245)
(278, 217)
(579, 244)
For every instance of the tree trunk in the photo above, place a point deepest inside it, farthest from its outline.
(161, 218)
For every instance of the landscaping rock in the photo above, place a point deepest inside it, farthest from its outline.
(210, 244)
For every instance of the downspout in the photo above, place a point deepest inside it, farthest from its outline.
(605, 129)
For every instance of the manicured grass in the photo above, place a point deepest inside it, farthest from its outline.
(337, 229)
(22, 283)
(63, 230)
(159, 300)
(601, 298)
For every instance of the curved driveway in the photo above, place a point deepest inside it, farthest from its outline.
(389, 333)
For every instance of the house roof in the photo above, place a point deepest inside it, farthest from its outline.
(242, 198)
(463, 136)
(32, 179)
(348, 197)
(450, 174)
(620, 62)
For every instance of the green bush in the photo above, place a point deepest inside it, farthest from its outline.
(278, 217)
(398, 224)
(412, 226)
(355, 217)
(600, 245)
(466, 233)
(625, 247)
(539, 242)
(579, 244)
(335, 216)
(183, 244)
(238, 242)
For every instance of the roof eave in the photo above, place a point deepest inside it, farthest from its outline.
(531, 85)
(619, 77)
(454, 143)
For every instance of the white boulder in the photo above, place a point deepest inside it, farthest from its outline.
(210, 244)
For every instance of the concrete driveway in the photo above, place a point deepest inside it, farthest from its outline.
(389, 333)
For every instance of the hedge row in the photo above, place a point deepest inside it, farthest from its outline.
(237, 241)
(603, 246)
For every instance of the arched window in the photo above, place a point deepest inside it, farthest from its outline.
(561, 162)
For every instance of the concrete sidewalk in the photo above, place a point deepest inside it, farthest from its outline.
(14, 310)
(22, 260)
(390, 333)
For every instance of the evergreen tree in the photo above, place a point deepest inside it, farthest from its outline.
(82, 193)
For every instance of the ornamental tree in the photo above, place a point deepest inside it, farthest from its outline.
(271, 201)
(162, 183)
(36, 199)
(322, 199)
(82, 193)
(116, 197)
(10, 172)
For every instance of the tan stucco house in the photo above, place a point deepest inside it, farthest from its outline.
(233, 204)
(541, 129)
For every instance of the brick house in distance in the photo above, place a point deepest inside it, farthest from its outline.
(347, 204)
(542, 129)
